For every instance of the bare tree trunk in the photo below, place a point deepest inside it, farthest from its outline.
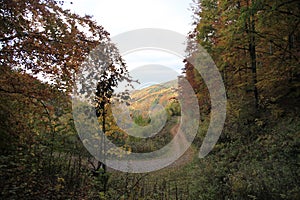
(105, 179)
(252, 50)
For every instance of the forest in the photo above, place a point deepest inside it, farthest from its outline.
(255, 45)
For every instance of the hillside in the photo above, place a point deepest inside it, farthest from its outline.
(155, 94)
(54, 63)
(164, 94)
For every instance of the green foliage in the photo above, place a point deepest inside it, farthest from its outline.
(253, 44)
(256, 157)
(42, 156)
(173, 108)
(141, 121)
(159, 140)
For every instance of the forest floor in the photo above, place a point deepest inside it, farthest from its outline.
(185, 159)
(188, 155)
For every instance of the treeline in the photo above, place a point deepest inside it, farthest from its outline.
(42, 156)
(255, 45)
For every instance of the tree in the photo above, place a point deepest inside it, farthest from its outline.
(255, 44)
(253, 59)
(103, 69)
(39, 39)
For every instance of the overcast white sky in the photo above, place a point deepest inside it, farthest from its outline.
(118, 16)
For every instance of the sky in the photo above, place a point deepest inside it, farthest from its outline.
(119, 16)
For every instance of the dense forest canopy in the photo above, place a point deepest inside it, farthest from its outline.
(42, 41)
(254, 43)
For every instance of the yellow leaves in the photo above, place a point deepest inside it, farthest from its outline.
(60, 180)
(120, 151)
(259, 122)
(60, 184)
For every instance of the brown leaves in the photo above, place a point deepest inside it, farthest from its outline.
(42, 37)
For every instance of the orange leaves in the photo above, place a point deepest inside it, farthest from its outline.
(40, 31)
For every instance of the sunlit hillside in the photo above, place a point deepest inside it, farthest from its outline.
(161, 94)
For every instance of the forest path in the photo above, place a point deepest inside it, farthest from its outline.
(188, 155)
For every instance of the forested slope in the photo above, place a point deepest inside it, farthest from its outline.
(255, 45)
